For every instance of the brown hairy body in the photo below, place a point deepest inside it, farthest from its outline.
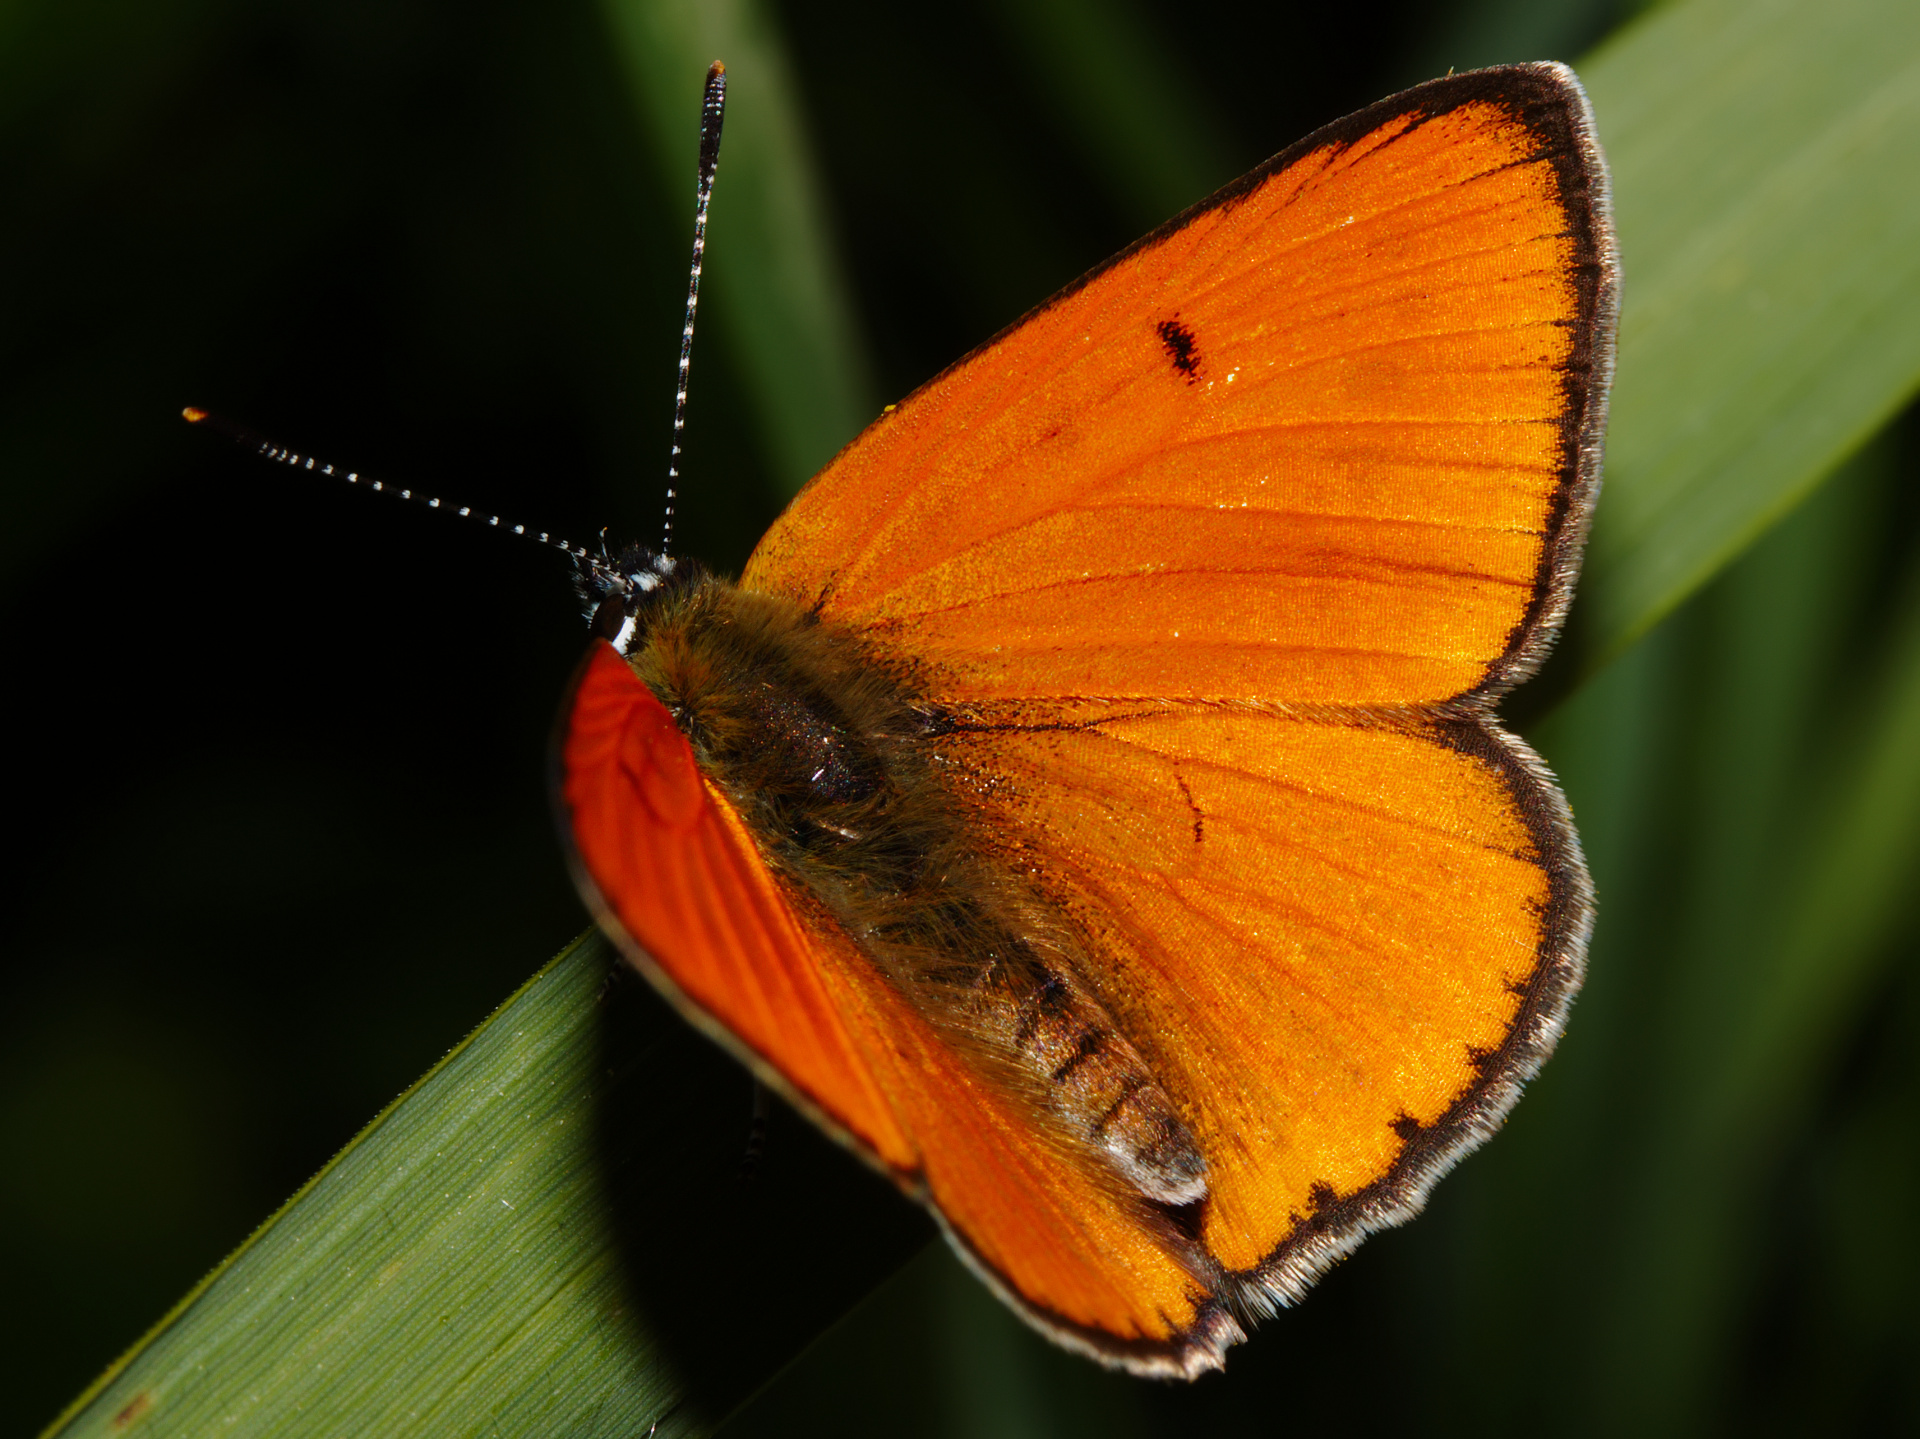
(827, 750)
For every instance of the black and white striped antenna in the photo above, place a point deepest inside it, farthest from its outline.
(713, 109)
(292, 459)
(634, 572)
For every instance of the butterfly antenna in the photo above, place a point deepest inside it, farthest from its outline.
(281, 455)
(713, 108)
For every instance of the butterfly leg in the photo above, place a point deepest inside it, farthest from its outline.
(756, 1135)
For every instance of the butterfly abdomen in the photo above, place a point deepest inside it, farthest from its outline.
(828, 753)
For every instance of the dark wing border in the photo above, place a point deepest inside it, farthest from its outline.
(1554, 107)
(1336, 1228)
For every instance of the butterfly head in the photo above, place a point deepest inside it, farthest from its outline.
(617, 592)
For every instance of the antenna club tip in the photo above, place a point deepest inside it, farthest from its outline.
(716, 71)
(193, 416)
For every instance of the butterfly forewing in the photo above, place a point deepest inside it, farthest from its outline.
(1315, 442)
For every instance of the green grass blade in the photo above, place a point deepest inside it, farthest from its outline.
(1801, 812)
(772, 281)
(1146, 126)
(1856, 884)
(546, 1235)
(449, 1267)
(1763, 155)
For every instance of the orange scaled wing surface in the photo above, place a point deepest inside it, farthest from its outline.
(1340, 940)
(1218, 560)
(676, 877)
(1325, 438)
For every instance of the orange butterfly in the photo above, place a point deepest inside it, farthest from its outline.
(1088, 804)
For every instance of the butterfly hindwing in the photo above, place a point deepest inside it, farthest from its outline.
(1340, 939)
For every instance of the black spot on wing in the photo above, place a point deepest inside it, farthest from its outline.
(1182, 349)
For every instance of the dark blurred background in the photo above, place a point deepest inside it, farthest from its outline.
(276, 749)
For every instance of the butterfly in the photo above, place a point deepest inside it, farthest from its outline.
(1088, 804)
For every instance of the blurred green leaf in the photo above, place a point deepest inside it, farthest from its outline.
(772, 280)
(1620, 1243)
(1854, 883)
(1146, 126)
(1763, 156)
(1801, 871)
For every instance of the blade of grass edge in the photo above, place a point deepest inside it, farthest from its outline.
(549, 1233)
(128, 1390)
(1770, 241)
